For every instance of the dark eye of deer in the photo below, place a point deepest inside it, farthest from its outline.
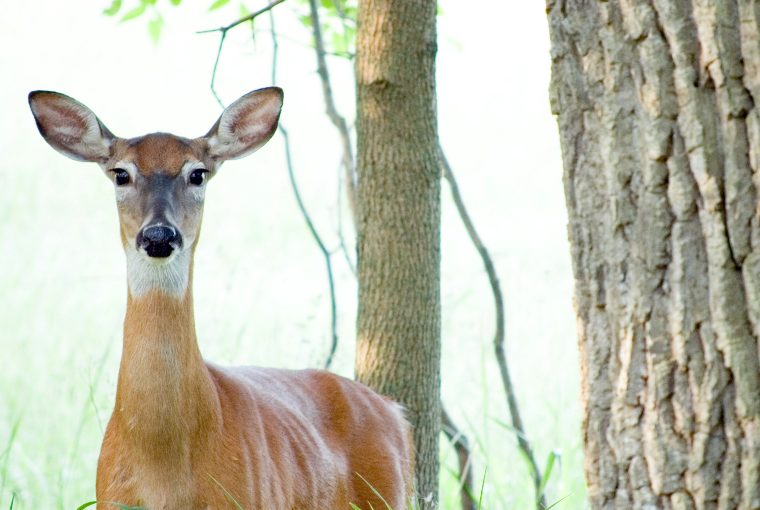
(198, 176)
(121, 176)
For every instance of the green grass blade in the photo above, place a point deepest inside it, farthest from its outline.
(547, 474)
(117, 505)
(376, 493)
(560, 500)
(226, 492)
(482, 488)
(6, 455)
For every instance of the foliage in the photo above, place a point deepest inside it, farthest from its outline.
(338, 22)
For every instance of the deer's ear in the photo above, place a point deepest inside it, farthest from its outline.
(70, 127)
(245, 125)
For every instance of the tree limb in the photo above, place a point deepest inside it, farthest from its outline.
(320, 244)
(498, 341)
(332, 111)
(305, 213)
(250, 17)
(223, 31)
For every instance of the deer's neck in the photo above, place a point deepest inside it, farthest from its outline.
(166, 402)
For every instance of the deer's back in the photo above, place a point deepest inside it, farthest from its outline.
(312, 439)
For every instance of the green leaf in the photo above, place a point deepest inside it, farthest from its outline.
(154, 28)
(136, 12)
(305, 20)
(244, 12)
(113, 9)
(13, 498)
(339, 43)
(176, 2)
(217, 4)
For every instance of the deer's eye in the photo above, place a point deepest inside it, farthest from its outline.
(120, 176)
(198, 176)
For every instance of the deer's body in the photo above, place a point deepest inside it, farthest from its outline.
(187, 435)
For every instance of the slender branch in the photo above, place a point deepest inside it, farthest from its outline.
(332, 111)
(223, 31)
(341, 238)
(242, 20)
(460, 443)
(216, 66)
(304, 212)
(275, 47)
(498, 341)
(320, 244)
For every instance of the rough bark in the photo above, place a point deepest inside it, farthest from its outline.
(660, 137)
(398, 323)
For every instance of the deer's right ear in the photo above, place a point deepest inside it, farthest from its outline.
(70, 127)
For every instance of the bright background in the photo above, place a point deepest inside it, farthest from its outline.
(261, 293)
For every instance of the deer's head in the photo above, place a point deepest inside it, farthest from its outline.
(159, 179)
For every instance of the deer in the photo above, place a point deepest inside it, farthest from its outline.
(188, 434)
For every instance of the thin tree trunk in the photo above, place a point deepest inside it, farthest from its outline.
(398, 324)
(661, 146)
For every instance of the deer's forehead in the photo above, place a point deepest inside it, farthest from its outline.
(158, 153)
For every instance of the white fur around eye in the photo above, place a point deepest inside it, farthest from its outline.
(198, 193)
(121, 192)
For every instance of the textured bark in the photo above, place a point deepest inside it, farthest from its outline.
(660, 137)
(398, 324)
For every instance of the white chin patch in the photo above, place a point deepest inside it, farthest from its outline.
(168, 275)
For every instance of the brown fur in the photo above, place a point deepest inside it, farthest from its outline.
(274, 439)
(158, 152)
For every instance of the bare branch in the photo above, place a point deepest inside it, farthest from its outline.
(275, 46)
(223, 31)
(304, 212)
(341, 237)
(250, 17)
(464, 456)
(332, 111)
(498, 341)
(216, 66)
(320, 244)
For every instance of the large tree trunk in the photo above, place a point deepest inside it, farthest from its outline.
(398, 324)
(661, 146)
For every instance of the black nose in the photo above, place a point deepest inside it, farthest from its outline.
(158, 240)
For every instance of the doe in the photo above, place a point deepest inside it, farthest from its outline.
(186, 434)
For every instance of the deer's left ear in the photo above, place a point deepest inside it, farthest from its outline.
(245, 125)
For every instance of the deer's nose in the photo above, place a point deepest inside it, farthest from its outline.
(158, 240)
